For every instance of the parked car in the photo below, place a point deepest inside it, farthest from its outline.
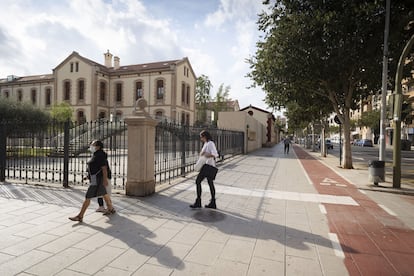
(328, 144)
(366, 143)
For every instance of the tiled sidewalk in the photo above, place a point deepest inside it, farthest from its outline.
(270, 221)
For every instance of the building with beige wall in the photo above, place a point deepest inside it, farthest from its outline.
(256, 123)
(110, 91)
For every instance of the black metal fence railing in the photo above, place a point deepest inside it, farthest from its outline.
(58, 152)
(54, 152)
(177, 148)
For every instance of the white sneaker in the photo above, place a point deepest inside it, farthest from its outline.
(101, 209)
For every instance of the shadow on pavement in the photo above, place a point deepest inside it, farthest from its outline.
(137, 237)
(239, 225)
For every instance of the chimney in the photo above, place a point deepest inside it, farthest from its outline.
(116, 62)
(108, 59)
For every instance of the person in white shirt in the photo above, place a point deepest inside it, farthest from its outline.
(210, 152)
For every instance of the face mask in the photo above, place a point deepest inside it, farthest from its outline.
(92, 149)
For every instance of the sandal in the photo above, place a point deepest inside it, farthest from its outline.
(77, 218)
(109, 212)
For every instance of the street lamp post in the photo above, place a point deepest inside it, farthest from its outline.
(384, 83)
(396, 166)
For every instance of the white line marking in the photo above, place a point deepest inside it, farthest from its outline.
(303, 169)
(341, 185)
(359, 158)
(363, 192)
(328, 180)
(336, 245)
(387, 210)
(324, 184)
(323, 209)
(275, 194)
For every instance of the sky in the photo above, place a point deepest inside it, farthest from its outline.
(216, 35)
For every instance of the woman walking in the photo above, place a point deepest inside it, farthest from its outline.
(98, 177)
(209, 151)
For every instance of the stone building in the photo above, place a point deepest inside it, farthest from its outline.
(110, 91)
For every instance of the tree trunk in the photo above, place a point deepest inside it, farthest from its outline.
(347, 156)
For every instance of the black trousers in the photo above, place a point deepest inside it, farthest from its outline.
(286, 148)
(200, 178)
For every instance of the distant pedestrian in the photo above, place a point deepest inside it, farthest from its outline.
(209, 170)
(98, 177)
(287, 143)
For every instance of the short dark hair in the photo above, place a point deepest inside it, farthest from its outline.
(97, 143)
(206, 134)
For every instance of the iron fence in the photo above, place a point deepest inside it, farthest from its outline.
(53, 152)
(56, 152)
(177, 148)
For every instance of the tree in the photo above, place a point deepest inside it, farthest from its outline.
(12, 110)
(329, 51)
(371, 119)
(220, 101)
(61, 112)
(202, 97)
(407, 110)
(22, 117)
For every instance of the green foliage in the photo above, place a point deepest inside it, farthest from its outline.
(326, 53)
(333, 129)
(13, 114)
(202, 96)
(220, 101)
(407, 110)
(61, 112)
(16, 111)
(371, 119)
(325, 48)
(202, 90)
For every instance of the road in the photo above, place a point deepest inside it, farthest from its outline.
(362, 155)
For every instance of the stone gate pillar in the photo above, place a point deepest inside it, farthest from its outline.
(141, 152)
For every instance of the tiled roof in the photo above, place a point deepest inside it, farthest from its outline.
(161, 65)
(44, 77)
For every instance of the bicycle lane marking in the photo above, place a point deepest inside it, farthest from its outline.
(374, 242)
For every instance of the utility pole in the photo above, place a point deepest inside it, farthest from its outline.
(384, 83)
(396, 166)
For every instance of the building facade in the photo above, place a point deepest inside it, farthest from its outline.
(110, 91)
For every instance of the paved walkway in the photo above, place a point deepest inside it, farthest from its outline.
(273, 219)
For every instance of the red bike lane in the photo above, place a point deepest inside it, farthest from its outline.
(374, 242)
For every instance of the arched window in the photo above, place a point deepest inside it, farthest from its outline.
(187, 119)
(102, 91)
(81, 117)
(182, 118)
(160, 89)
(159, 115)
(118, 92)
(182, 93)
(81, 90)
(19, 95)
(188, 95)
(33, 95)
(66, 90)
(139, 92)
(48, 96)
(118, 116)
